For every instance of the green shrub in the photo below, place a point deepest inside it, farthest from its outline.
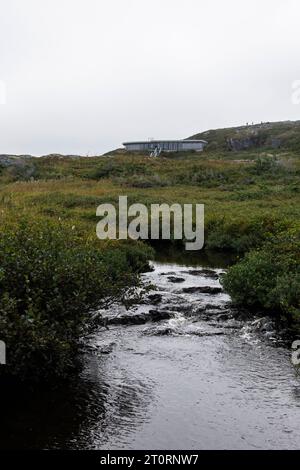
(140, 181)
(241, 234)
(51, 283)
(117, 168)
(268, 166)
(269, 277)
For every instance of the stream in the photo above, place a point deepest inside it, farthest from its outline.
(182, 370)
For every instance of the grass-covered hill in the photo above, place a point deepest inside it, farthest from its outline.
(50, 253)
(284, 135)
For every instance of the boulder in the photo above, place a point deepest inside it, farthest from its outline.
(202, 290)
(154, 298)
(140, 318)
(175, 279)
(204, 272)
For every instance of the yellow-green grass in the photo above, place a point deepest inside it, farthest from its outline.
(70, 188)
(252, 200)
(250, 210)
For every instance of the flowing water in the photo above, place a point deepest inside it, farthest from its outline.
(183, 370)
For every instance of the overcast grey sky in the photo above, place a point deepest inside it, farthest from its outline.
(82, 76)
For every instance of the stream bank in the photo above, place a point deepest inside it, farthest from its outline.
(182, 370)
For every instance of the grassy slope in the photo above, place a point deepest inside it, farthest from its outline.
(250, 196)
(236, 192)
(288, 132)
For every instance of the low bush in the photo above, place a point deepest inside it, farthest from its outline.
(52, 282)
(240, 235)
(268, 166)
(118, 167)
(269, 277)
(140, 181)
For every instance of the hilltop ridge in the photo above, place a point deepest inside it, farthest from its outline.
(282, 134)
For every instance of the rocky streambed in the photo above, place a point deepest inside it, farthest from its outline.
(184, 369)
(187, 300)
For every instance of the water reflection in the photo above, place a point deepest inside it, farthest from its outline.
(199, 379)
(92, 408)
(205, 258)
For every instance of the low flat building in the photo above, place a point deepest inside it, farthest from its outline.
(166, 145)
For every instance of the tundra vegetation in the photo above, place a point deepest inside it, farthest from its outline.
(55, 273)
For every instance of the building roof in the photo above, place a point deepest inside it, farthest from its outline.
(195, 141)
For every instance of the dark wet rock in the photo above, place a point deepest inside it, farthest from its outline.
(205, 315)
(202, 290)
(213, 312)
(98, 321)
(232, 326)
(171, 331)
(226, 326)
(208, 272)
(204, 272)
(154, 298)
(107, 349)
(223, 317)
(138, 319)
(141, 318)
(100, 349)
(212, 307)
(187, 309)
(208, 333)
(241, 313)
(160, 332)
(229, 304)
(157, 315)
(175, 279)
(170, 273)
(193, 272)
